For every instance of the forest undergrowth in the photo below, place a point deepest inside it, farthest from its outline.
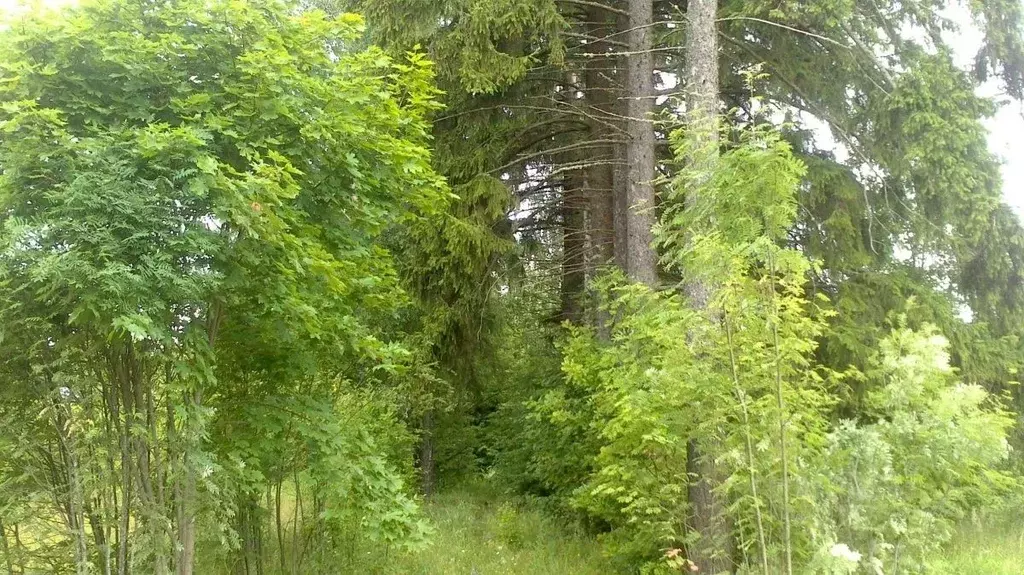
(714, 287)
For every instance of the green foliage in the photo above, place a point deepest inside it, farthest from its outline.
(190, 202)
(990, 545)
(449, 262)
(671, 374)
(474, 525)
(237, 296)
(482, 46)
(931, 450)
(743, 376)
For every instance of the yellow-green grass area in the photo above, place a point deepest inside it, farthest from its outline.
(988, 546)
(479, 533)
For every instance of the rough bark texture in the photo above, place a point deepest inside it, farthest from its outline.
(598, 74)
(620, 208)
(702, 83)
(708, 518)
(641, 260)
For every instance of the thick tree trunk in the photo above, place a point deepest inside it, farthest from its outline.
(600, 94)
(641, 259)
(708, 516)
(620, 207)
(702, 84)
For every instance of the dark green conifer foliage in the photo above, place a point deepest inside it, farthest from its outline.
(243, 306)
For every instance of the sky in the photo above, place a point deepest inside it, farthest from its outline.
(1006, 128)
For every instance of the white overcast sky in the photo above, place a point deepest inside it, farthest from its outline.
(1006, 128)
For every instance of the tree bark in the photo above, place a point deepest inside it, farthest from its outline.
(620, 207)
(71, 484)
(708, 516)
(641, 259)
(427, 467)
(6, 548)
(185, 508)
(277, 524)
(574, 248)
(20, 548)
(598, 79)
(297, 516)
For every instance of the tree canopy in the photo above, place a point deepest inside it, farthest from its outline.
(730, 283)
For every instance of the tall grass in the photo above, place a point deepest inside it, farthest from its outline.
(479, 532)
(991, 546)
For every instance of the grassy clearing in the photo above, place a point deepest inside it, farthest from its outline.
(481, 532)
(988, 547)
(484, 534)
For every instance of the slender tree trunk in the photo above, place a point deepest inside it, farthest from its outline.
(6, 548)
(708, 515)
(188, 434)
(277, 523)
(186, 513)
(98, 532)
(762, 545)
(74, 496)
(641, 259)
(96, 508)
(146, 467)
(187, 526)
(109, 493)
(125, 510)
(20, 548)
(120, 412)
(427, 467)
(297, 516)
(183, 486)
(249, 529)
(781, 402)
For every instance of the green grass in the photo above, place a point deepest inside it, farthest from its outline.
(988, 547)
(484, 534)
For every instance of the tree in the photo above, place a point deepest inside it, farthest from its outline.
(641, 260)
(189, 202)
(712, 553)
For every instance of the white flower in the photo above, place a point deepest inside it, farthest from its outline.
(843, 551)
